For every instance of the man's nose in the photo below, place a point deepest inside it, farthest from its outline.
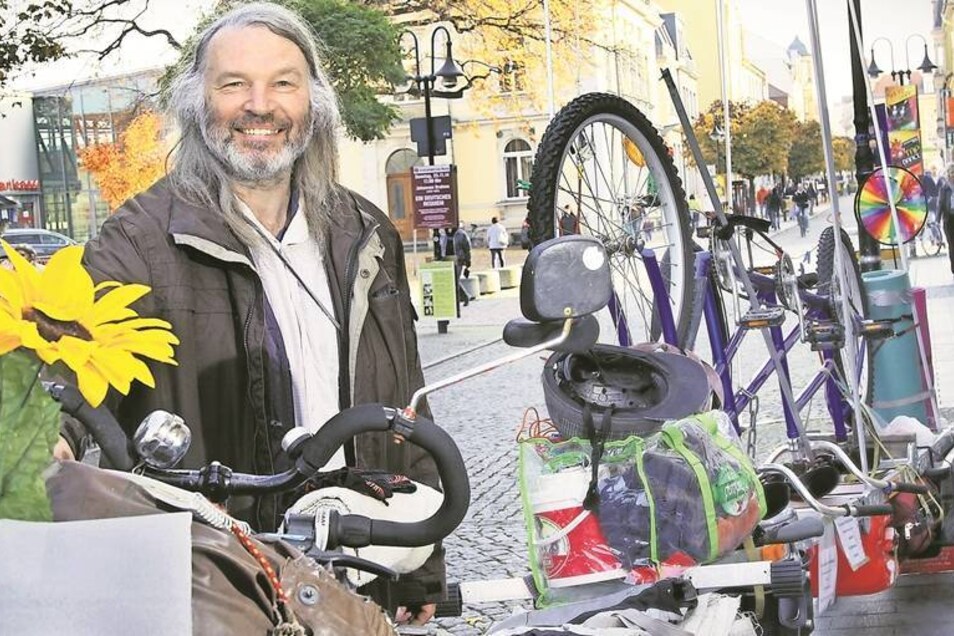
(259, 100)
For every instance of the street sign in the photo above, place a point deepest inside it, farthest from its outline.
(435, 196)
(441, 130)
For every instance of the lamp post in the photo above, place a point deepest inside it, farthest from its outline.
(450, 74)
(926, 66)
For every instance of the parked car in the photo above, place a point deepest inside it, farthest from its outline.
(45, 243)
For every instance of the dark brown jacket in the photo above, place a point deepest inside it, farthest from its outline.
(204, 283)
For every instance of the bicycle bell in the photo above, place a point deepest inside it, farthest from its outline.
(162, 439)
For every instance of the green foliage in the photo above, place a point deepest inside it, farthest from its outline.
(807, 155)
(844, 149)
(29, 426)
(761, 137)
(360, 54)
(25, 36)
(362, 57)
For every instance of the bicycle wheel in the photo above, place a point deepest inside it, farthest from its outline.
(602, 157)
(929, 240)
(829, 285)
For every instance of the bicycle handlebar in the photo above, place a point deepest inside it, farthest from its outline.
(217, 481)
(842, 510)
(98, 421)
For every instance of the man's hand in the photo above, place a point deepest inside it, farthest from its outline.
(62, 450)
(415, 615)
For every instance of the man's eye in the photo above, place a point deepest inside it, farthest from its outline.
(235, 84)
(284, 84)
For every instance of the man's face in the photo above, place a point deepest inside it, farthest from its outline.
(257, 87)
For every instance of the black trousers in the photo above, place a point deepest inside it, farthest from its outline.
(949, 235)
(496, 253)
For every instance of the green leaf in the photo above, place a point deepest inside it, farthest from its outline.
(29, 426)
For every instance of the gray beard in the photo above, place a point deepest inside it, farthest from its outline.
(253, 167)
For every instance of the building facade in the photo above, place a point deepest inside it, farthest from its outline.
(48, 127)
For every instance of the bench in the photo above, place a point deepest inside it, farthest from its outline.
(488, 280)
(510, 276)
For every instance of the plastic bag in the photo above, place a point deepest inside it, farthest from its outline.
(687, 494)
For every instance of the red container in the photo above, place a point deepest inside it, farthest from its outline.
(877, 575)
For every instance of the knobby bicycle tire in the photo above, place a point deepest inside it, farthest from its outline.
(568, 138)
(826, 269)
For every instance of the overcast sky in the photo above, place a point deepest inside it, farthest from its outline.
(896, 20)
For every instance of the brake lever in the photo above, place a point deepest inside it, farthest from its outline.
(339, 559)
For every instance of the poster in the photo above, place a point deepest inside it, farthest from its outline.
(435, 196)
(438, 290)
(904, 128)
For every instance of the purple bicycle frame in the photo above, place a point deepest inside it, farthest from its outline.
(724, 352)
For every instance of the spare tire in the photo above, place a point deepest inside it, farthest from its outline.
(641, 389)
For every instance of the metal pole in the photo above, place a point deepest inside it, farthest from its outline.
(551, 103)
(723, 70)
(427, 119)
(864, 159)
(840, 265)
(889, 186)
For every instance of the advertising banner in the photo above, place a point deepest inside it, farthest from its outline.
(904, 128)
(438, 290)
(435, 196)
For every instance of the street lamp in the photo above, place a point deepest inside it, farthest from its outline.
(926, 66)
(449, 74)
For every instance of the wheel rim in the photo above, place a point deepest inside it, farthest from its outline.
(612, 176)
(855, 349)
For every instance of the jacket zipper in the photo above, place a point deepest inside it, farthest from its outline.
(344, 343)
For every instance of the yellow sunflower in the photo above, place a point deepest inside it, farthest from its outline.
(55, 313)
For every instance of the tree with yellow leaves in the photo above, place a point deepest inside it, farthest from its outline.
(129, 166)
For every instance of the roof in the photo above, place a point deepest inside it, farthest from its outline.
(798, 48)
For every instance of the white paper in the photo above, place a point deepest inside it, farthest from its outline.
(131, 575)
(849, 535)
(827, 568)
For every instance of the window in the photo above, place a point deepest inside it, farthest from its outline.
(512, 77)
(518, 164)
(402, 161)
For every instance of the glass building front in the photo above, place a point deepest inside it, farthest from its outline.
(71, 118)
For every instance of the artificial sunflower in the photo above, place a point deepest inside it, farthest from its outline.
(55, 313)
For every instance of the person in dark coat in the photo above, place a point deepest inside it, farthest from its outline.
(945, 210)
(288, 292)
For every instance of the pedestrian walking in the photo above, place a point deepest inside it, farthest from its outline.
(695, 214)
(946, 211)
(773, 206)
(801, 198)
(497, 241)
(461, 243)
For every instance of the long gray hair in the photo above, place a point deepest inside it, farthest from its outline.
(200, 177)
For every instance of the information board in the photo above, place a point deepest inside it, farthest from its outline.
(435, 196)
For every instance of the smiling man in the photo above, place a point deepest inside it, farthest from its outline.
(287, 291)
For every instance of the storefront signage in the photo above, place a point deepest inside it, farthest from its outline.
(19, 185)
(435, 196)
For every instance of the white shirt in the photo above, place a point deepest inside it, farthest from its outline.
(310, 339)
(497, 236)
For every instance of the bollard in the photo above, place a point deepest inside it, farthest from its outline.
(896, 366)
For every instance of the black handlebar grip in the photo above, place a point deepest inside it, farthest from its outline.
(355, 531)
(916, 489)
(336, 432)
(871, 510)
(453, 606)
(99, 422)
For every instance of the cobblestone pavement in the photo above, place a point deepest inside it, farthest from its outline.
(484, 413)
